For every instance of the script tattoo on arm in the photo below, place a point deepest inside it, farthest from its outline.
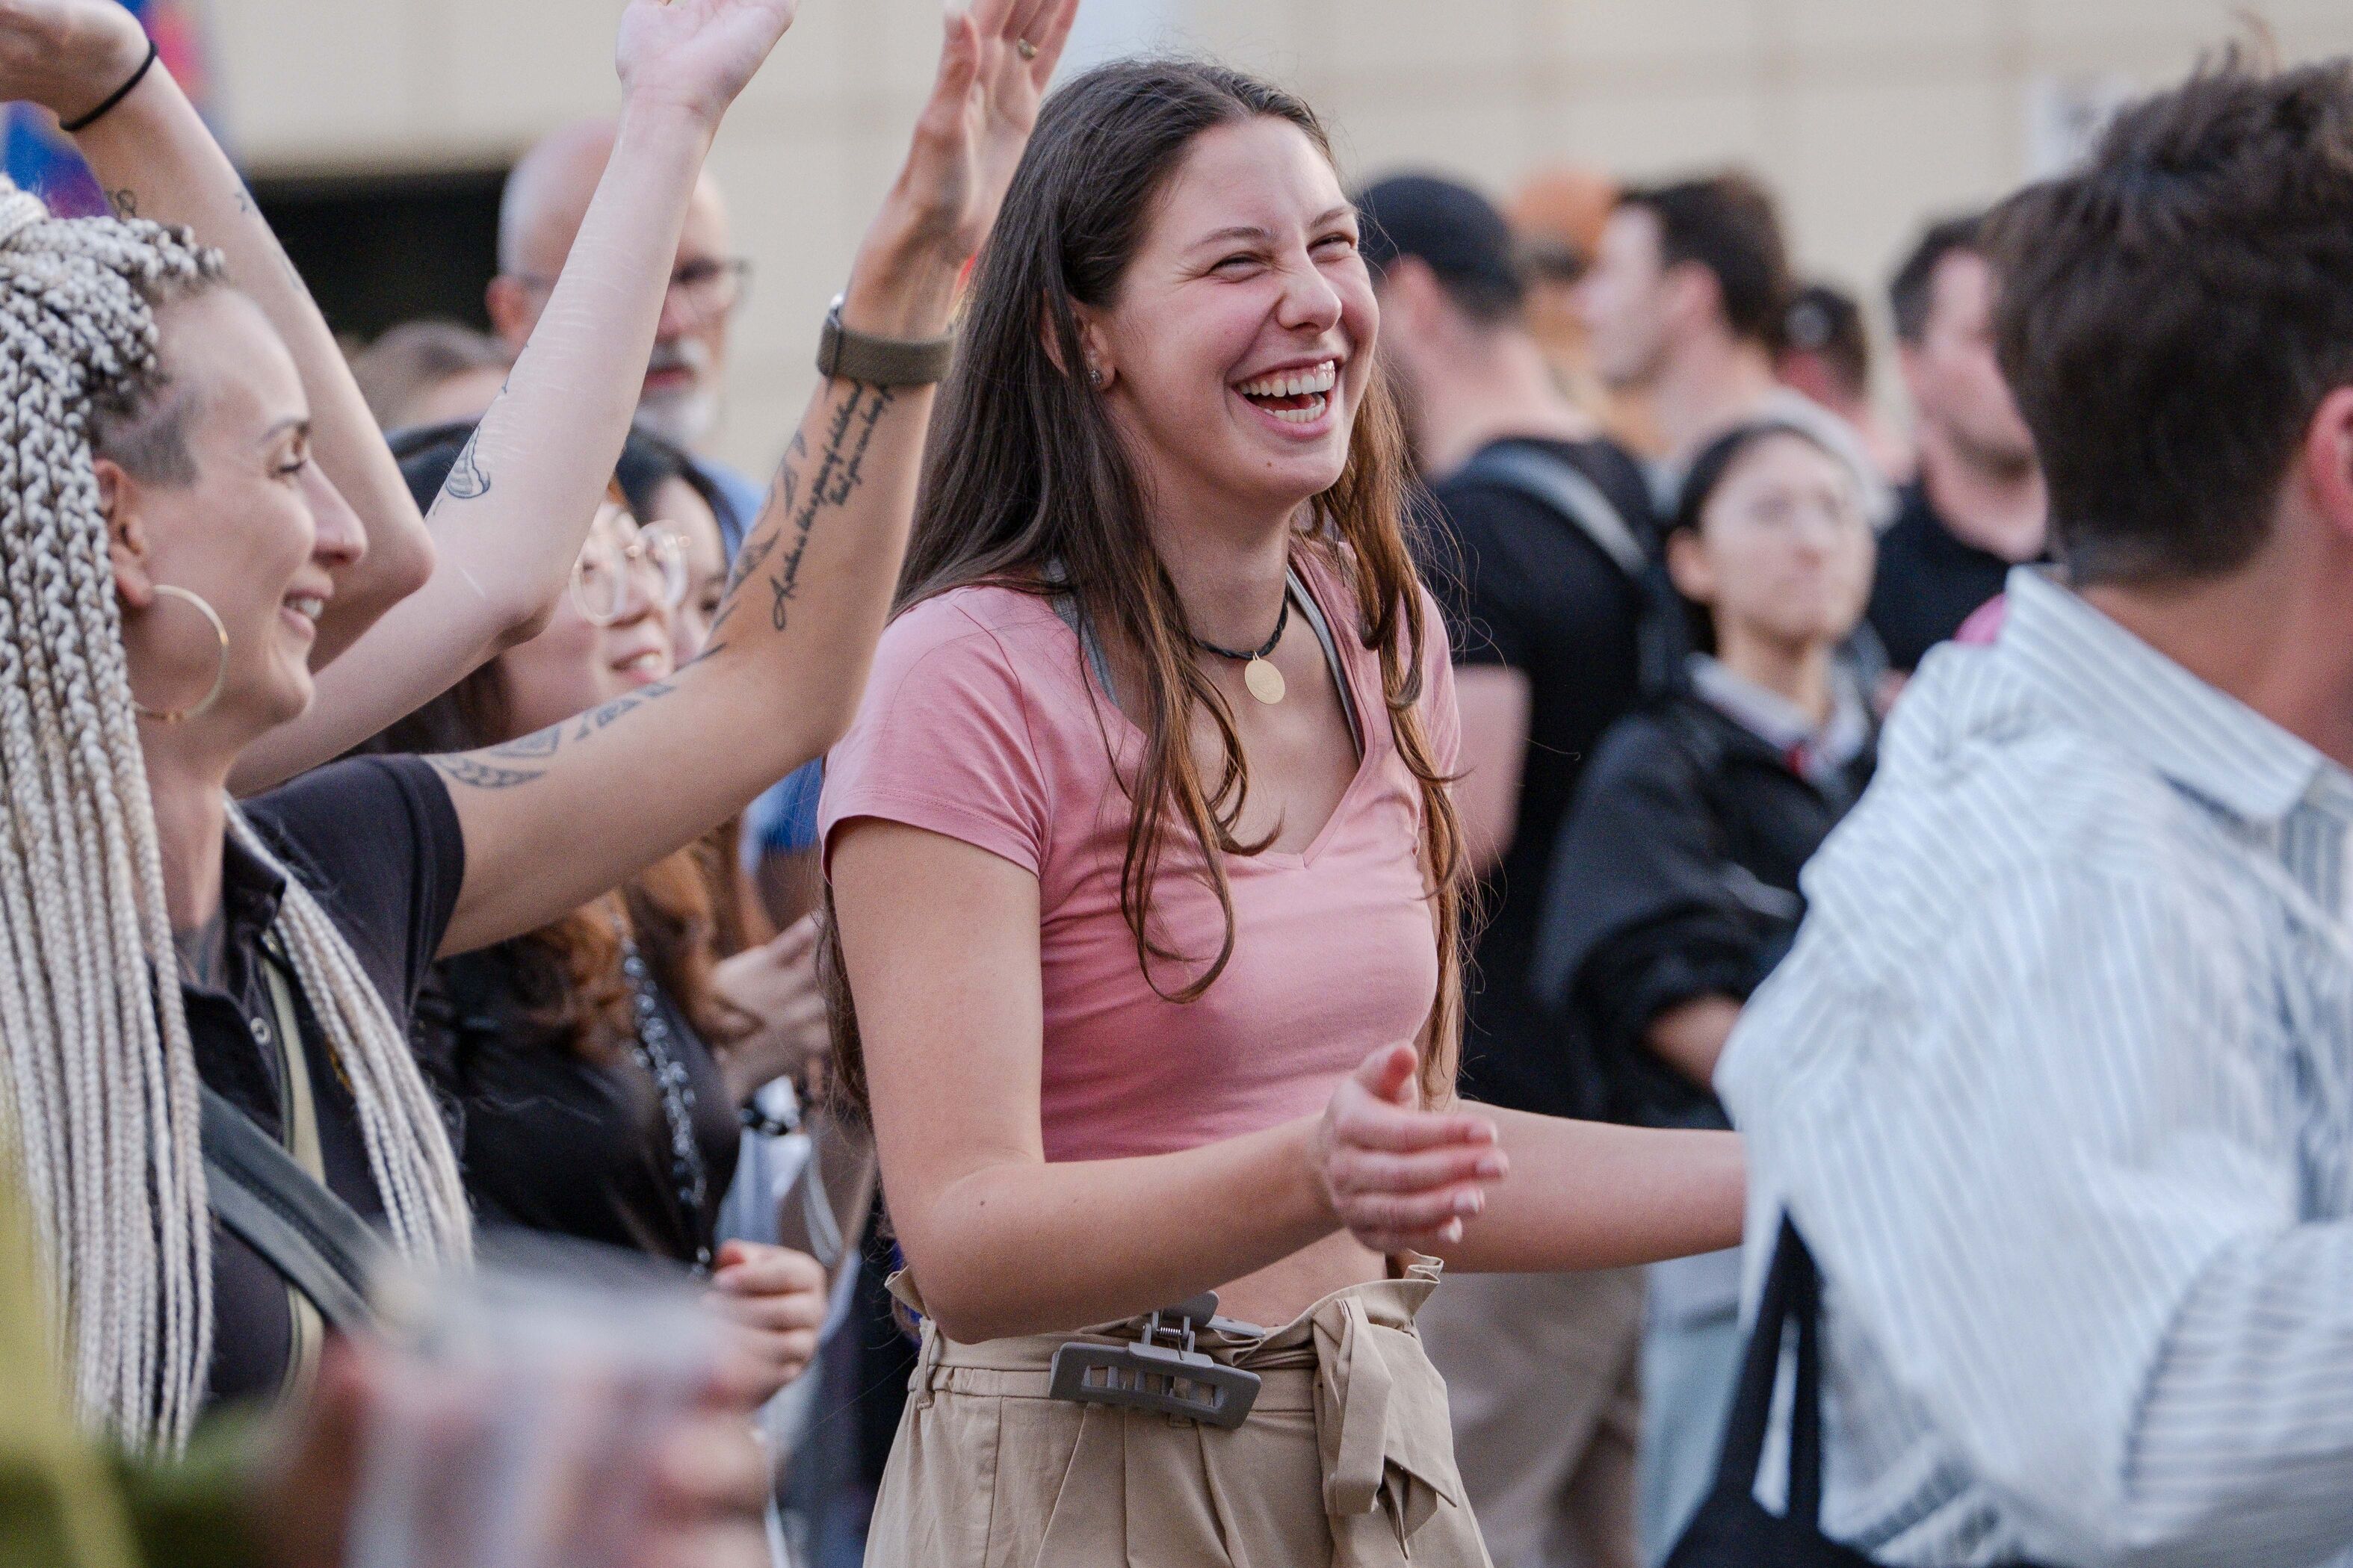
(466, 478)
(840, 470)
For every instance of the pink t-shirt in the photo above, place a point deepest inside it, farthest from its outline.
(981, 721)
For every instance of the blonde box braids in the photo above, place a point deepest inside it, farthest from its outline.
(100, 1081)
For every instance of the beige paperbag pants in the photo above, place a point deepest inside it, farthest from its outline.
(1344, 1459)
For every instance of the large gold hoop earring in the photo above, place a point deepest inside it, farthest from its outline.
(220, 674)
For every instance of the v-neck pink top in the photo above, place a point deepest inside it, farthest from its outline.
(982, 723)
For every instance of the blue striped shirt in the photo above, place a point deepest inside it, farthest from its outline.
(2058, 1083)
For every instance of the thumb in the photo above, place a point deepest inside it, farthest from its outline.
(1388, 1073)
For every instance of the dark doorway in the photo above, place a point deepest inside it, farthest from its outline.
(380, 250)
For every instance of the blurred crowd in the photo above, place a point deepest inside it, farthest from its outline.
(532, 955)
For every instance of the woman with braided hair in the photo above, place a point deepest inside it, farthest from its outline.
(167, 554)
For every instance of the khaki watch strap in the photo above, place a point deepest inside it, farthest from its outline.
(845, 355)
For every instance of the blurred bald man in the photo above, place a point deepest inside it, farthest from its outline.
(547, 197)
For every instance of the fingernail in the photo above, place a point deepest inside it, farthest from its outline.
(1491, 1165)
(1453, 1231)
(1469, 1202)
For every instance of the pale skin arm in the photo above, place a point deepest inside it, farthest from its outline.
(519, 503)
(155, 159)
(789, 650)
(1494, 701)
(940, 941)
(1578, 1194)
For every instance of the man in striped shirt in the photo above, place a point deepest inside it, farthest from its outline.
(2058, 1080)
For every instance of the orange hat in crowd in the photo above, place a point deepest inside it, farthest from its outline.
(1558, 213)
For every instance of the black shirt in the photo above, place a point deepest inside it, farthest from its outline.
(565, 1141)
(377, 844)
(1677, 879)
(1930, 581)
(1523, 587)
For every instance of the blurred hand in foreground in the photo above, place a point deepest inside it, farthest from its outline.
(699, 1482)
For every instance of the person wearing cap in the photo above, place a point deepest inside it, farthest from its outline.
(1546, 623)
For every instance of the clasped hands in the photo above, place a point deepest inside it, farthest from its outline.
(1398, 1177)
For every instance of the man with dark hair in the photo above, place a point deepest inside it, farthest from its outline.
(1978, 507)
(2056, 1082)
(1684, 303)
(1541, 530)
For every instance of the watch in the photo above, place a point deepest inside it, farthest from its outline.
(879, 362)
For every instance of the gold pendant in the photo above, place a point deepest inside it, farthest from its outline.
(1265, 681)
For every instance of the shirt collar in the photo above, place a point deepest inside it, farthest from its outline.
(2109, 682)
(1781, 723)
(251, 892)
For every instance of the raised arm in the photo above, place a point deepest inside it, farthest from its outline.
(558, 817)
(511, 521)
(155, 159)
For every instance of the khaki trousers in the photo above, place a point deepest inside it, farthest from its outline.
(1343, 1460)
(1543, 1376)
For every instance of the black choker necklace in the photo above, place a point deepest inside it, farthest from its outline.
(1265, 681)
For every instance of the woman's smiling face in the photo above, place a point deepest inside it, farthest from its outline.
(1238, 352)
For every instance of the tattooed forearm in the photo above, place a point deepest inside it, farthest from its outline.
(542, 744)
(597, 719)
(781, 491)
(466, 478)
(470, 770)
(498, 768)
(840, 470)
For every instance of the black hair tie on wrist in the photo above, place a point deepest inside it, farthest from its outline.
(72, 127)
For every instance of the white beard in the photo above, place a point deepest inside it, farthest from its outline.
(682, 418)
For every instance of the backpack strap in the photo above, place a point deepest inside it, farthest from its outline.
(1563, 487)
(316, 1241)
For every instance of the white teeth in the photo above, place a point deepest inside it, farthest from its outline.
(1307, 416)
(1295, 384)
(309, 606)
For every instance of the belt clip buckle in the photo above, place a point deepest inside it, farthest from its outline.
(1161, 1373)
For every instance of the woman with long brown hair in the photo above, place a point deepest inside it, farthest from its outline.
(1140, 843)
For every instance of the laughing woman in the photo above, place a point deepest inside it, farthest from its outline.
(1140, 843)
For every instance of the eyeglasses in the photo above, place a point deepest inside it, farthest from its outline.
(619, 551)
(705, 290)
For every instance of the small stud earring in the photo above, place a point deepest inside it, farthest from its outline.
(1094, 376)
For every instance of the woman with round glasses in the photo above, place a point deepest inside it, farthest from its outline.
(595, 1066)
